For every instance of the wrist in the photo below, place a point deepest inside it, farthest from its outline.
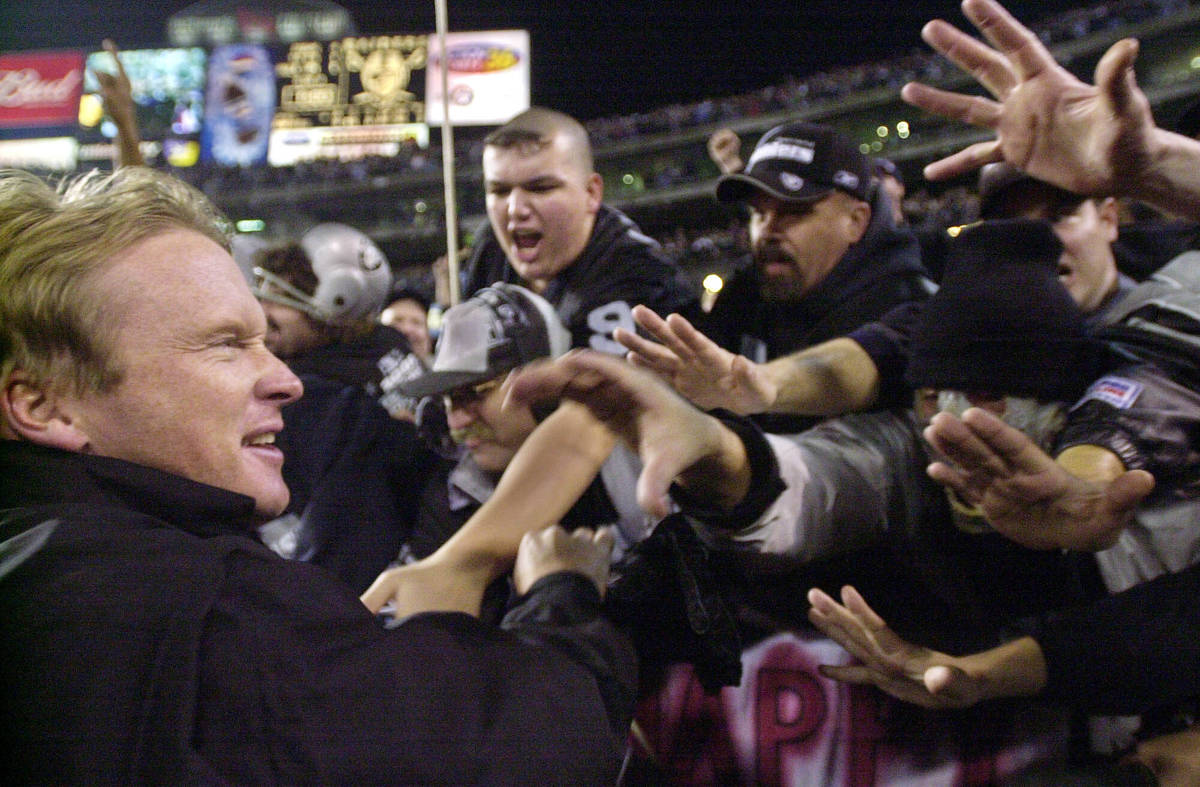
(724, 472)
(478, 565)
(775, 378)
(1155, 173)
(1015, 669)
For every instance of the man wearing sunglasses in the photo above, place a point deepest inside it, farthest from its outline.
(463, 414)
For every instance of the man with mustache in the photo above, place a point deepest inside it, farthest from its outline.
(827, 256)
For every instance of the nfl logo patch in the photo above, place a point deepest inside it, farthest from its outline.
(1116, 391)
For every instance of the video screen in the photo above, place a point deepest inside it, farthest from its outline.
(168, 89)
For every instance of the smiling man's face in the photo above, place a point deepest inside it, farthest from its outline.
(200, 394)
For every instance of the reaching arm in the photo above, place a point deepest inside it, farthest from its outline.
(454, 577)
(675, 441)
(117, 95)
(1095, 139)
(1125, 653)
(920, 675)
(831, 378)
(1081, 500)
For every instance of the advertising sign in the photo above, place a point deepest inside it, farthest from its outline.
(40, 88)
(488, 77)
(344, 143)
(55, 154)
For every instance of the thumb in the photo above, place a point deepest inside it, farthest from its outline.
(747, 377)
(1129, 489)
(378, 594)
(1114, 74)
(950, 683)
(653, 484)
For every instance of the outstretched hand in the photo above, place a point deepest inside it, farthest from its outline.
(669, 434)
(116, 91)
(905, 671)
(697, 367)
(1024, 493)
(725, 150)
(1090, 139)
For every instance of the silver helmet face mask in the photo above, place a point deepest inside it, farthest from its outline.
(353, 277)
(1039, 421)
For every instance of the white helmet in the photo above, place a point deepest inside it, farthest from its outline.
(244, 247)
(353, 276)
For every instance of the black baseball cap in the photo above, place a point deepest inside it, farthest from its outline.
(1004, 191)
(800, 162)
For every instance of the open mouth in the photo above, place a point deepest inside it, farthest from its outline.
(267, 438)
(775, 265)
(526, 243)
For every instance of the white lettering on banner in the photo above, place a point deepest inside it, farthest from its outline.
(603, 320)
(26, 87)
(795, 149)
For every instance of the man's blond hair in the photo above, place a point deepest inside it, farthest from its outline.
(53, 242)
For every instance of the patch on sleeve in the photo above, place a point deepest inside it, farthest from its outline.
(1120, 392)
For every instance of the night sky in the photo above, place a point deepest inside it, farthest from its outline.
(591, 59)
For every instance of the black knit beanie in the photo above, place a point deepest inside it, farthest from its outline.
(1002, 322)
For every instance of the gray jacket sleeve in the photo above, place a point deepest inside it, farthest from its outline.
(846, 480)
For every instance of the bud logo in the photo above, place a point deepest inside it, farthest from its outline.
(40, 89)
(482, 58)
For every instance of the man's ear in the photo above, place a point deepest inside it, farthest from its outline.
(1110, 217)
(858, 219)
(595, 190)
(34, 413)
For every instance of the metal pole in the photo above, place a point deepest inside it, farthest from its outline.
(448, 155)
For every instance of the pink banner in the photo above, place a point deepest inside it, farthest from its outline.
(40, 88)
(786, 725)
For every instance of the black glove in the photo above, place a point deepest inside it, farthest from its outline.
(667, 596)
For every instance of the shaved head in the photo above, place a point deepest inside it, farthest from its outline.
(537, 128)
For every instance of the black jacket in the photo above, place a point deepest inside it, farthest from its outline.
(355, 473)
(618, 269)
(1127, 653)
(882, 270)
(152, 639)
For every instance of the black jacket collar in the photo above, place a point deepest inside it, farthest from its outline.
(35, 476)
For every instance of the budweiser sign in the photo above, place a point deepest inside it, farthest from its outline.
(40, 88)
